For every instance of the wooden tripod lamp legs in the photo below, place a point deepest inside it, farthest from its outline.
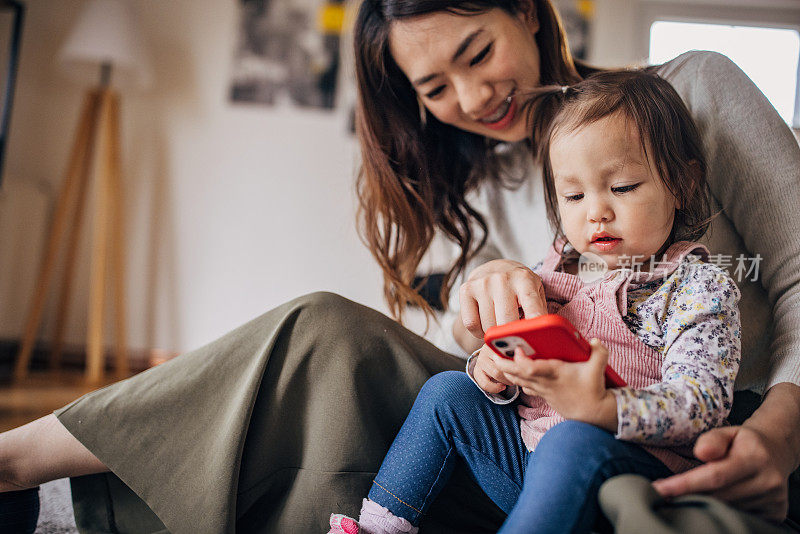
(86, 144)
(100, 114)
(107, 246)
(117, 238)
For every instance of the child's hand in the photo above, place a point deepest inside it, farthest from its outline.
(486, 374)
(575, 390)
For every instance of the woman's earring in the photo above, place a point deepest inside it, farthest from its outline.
(423, 113)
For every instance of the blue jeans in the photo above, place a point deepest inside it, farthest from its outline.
(551, 490)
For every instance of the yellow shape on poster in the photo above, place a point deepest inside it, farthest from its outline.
(586, 8)
(330, 19)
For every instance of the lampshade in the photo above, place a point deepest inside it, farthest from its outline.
(107, 32)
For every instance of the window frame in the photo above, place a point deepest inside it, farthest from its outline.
(780, 14)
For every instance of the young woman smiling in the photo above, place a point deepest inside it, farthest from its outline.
(289, 416)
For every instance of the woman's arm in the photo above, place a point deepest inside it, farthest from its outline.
(778, 420)
(748, 465)
(754, 172)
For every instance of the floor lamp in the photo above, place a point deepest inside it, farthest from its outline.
(105, 38)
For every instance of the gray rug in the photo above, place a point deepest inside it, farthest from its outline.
(56, 515)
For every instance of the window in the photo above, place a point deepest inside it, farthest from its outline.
(769, 56)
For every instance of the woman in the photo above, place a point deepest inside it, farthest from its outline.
(268, 428)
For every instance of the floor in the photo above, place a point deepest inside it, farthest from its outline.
(40, 394)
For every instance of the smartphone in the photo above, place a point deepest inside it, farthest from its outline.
(547, 336)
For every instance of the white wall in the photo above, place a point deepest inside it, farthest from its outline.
(231, 209)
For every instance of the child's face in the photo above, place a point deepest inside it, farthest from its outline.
(611, 201)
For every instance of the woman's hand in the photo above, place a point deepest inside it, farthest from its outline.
(495, 293)
(575, 390)
(486, 374)
(743, 467)
(749, 465)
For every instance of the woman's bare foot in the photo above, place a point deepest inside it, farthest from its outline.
(40, 451)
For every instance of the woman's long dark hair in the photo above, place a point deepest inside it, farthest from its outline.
(415, 174)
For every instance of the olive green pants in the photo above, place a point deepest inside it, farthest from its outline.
(268, 429)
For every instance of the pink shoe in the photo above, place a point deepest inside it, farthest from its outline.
(341, 524)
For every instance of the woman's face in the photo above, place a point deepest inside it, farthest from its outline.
(471, 71)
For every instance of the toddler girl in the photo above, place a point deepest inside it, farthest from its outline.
(624, 186)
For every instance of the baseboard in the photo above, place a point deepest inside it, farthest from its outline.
(74, 357)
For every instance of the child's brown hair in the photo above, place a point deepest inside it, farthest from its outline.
(669, 137)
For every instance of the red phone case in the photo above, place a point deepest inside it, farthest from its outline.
(547, 336)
